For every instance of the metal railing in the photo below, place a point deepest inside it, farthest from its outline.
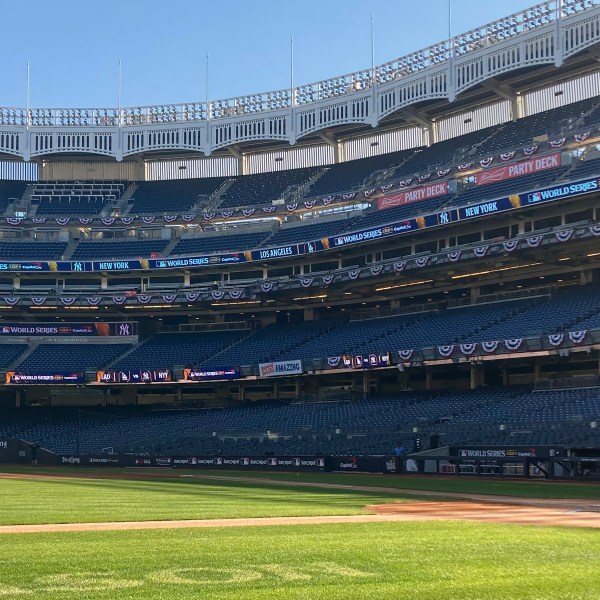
(303, 95)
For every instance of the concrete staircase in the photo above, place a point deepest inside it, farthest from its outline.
(215, 199)
(32, 346)
(23, 202)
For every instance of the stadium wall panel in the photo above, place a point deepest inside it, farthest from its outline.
(91, 170)
(563, 93)
(191, 168)
(384, 143)
(474, 120)
(294, 158)
(18, 171)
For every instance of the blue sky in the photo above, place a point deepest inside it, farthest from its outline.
(74, 45)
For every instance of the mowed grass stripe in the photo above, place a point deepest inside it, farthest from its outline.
(79, 500)
(467, 485)
(428, 561)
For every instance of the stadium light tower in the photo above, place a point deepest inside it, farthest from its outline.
(27, 123)
(119, 92)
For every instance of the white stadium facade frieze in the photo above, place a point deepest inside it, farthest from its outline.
(548, 34)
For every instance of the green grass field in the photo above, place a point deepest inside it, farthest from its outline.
(422, 560)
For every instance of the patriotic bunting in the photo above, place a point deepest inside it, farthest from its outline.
(564, 236)
(577, 337)
(581, 137)
(490, 347)
(529, 150)
(556, 339)
(422, 261)
(468, 349)
(446, 351)
(514, 344)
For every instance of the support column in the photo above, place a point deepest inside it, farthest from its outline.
(537, 372)
(477, 376)
(365, 383)
(428, 378)
(309, 314)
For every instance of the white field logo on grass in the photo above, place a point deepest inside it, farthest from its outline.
(81, 582)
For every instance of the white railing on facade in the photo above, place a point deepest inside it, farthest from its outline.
(447, 50)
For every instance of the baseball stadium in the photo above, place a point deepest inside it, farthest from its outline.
(334, 341)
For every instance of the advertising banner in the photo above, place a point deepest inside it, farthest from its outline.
(518, 169)
(207, 375)
(503, 452)
(64, 378)
(68, 329)
(275, 369)
(379, 232)
(368, 464)
(359, 361)
(141, 376)
(433, 190)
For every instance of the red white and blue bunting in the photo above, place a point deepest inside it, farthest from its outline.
(564, 235)
(333, 361)
(490, 346)
(468, 348)
(405, 354)
(514, 344)
(577, 337)
(446, 351)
